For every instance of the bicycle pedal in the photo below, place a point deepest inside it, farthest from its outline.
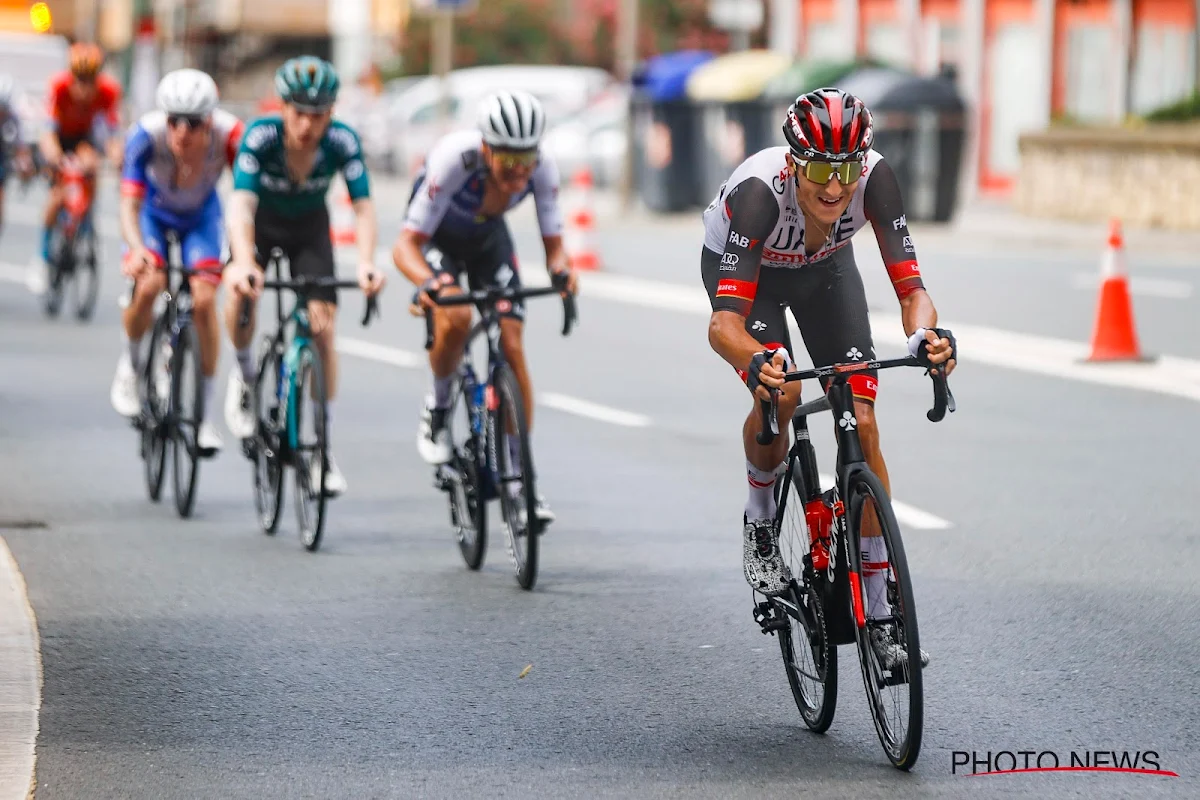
(765, 616)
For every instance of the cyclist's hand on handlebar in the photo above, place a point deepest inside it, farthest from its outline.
(370, 280)
(238, 276)
(423, 299)
(569, 279)
(934, 346)
(137, 262)
(766, 371)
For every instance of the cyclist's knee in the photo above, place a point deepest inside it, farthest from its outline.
(149, 286)
(453, 320)
(321, 318)
(868, 431)
(204, 297)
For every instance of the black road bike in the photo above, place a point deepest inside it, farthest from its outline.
(289, 406)
(825, 605)
(173, 390)
(482, 415)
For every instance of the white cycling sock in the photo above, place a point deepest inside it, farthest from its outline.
(875, 571)
(441, 391)
(133, 348)
(206, 382)
(760, 504)
(328, 421)
(245, 359)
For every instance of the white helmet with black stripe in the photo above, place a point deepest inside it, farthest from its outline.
(512, 120)
(187, 93)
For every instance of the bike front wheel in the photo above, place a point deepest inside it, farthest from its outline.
(58, 271)
(85, 285)
(809, 658)
(508, 449)
(311, 452)
(156, 389)
(187, 411)
(884, 598)
(269, 440)
(463, 479)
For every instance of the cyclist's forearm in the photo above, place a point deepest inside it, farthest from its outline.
(366, 229)
(131, 228)
(51, 149)
(239, 218)
(727, 336)
(407, 255)
(917, 311)
(556, 254)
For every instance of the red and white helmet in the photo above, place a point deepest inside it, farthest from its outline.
(828, 125)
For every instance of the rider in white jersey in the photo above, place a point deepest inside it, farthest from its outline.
(173, 159)
(455, 225)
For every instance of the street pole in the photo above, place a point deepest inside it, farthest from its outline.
(443, 60)
(627, 25)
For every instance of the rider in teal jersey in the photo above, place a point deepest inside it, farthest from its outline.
(281, 175)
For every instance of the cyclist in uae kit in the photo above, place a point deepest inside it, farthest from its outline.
(777, 236)
(455, 226)
(173, 159)
(281, 176)
(13, 148)
(84, 113)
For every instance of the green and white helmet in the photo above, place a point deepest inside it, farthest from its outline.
(307, 82)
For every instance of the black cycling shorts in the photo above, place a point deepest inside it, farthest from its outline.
(828, 302)
(304, 239)
(488, 261)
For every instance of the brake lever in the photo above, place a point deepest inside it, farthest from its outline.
(770, 419)
(372, 310)
(244, 315)
(943, 400)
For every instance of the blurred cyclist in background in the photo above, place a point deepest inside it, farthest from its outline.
(13, 149)
(83, 115)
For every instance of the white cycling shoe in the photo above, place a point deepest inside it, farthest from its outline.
(124, 392)
(433, 439)
(239, 407)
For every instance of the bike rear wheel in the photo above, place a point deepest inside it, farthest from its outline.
(462, 481)
(809, 659)
(516, 475)
(187, 410)
(269, 439)
(156, 407)
(311, 454)
(896, 696)
(85, 283)
(58, 270)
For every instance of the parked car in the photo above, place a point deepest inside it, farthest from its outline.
(594, 137)
(413, 113)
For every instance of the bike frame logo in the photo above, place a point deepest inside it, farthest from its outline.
(975, 763)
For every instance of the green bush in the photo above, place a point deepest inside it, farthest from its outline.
(1180, 111)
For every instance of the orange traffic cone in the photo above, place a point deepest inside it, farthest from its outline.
(1115, 336)
(343, 224)
(581, 223)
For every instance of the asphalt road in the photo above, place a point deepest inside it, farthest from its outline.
(204, 659)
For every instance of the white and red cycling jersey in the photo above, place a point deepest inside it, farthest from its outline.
(760, 196)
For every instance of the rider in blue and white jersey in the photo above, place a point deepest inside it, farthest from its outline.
(455, 225)
(173, 159)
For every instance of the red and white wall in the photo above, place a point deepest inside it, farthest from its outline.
(1020, 63)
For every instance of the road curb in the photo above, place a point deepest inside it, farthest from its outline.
(20, 683)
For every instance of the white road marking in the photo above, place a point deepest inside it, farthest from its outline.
(1148, 287)
(622, 289)
(979, 344)
(20, 682)
(906, 515)
(586, 408)
(379, 352)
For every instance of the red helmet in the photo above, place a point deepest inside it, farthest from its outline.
(828, 125)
